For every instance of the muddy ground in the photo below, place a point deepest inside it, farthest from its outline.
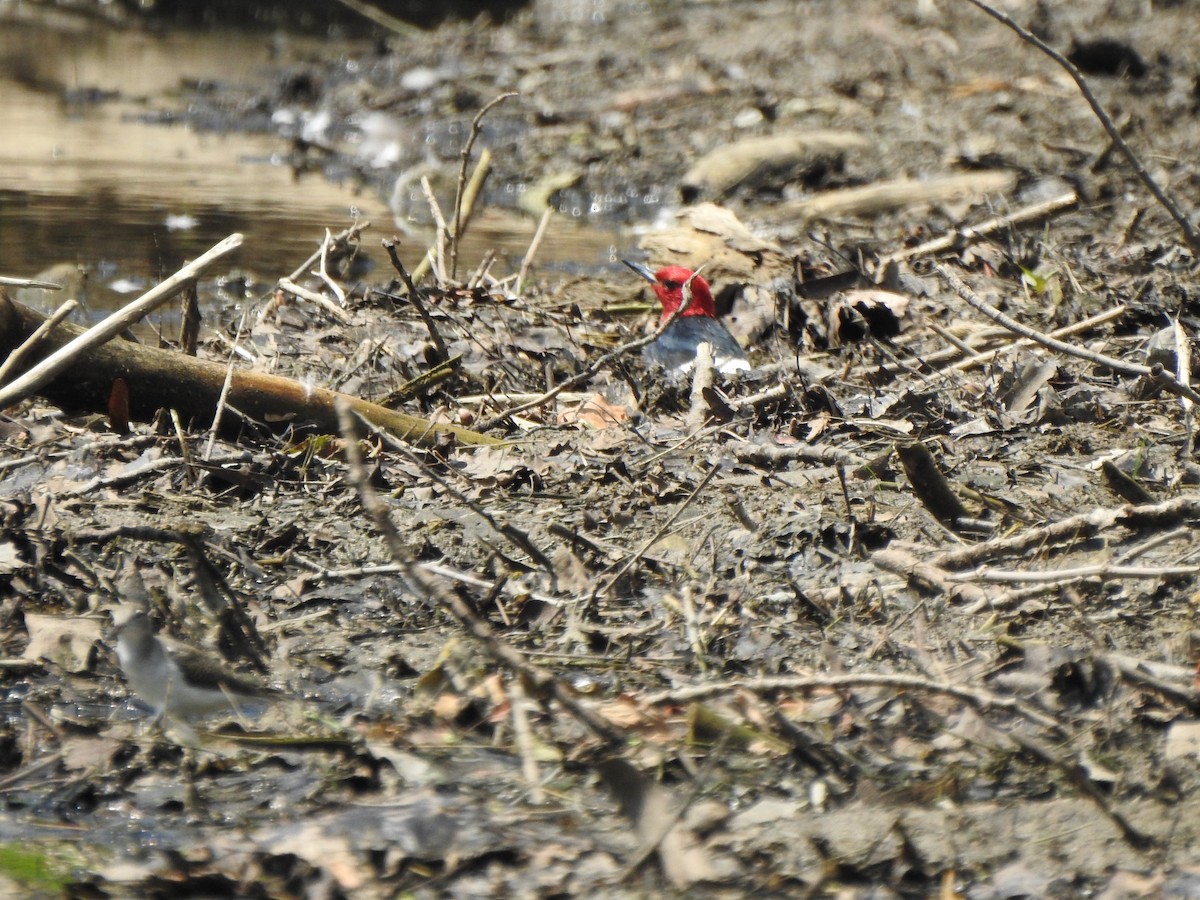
(775, 654)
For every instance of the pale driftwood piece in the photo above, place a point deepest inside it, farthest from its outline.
(962, 237)
(1183, 373)
(900, 562)
(286, 284)
(873, 199)
(533, 249)
(702, 377)
(721, 170)
(29, 283)
(776, 392)
(165, 379)
(65, 355)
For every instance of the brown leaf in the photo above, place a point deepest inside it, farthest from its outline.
(67, 642)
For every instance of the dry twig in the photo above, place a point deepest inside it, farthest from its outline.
(1189, 230)
(544, 681)
(1157, 373)
(460, 191)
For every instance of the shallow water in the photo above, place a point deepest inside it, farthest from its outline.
(86, 182)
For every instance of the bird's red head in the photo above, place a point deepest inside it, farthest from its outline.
(668, 287)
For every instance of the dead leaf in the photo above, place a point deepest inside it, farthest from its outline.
(652, 810)
(594, 412)
(65, 641)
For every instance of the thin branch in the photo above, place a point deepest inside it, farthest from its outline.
(286, 284)
(598, 364)
(543, 680)
(1102, 571)
(415, 298)
(962, 237)
(532, 251)
(1189, 230)
(979, 356)
(462, 178)
(1157, 373)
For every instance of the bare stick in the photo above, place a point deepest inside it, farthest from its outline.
(524, 739)
(223, 398)
(532, 251)
(1117, 365)
(1102, 571)
(600, 363)
(702, 379)
(1189, 231)
(961, 237)
(36, 338)
(465, 157)
(468, 205)
(439, 244)
(119, 321)
(313, 297)
(1082, 325)
(414, 297)
(382, 19)
(541, 679)
(29, 282)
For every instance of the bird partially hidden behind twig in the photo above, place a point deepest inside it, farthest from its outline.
(181, 683)
(675, 349)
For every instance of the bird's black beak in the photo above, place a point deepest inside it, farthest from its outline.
(644, 271)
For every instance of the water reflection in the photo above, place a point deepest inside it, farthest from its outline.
(86, 181)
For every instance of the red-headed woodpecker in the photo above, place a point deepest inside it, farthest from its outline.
(675, 348)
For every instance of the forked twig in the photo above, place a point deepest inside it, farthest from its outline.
(462, 178)
(1157, 373)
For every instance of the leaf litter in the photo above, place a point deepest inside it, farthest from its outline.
(890, 616)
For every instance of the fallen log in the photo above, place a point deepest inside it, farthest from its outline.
(165, 379)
